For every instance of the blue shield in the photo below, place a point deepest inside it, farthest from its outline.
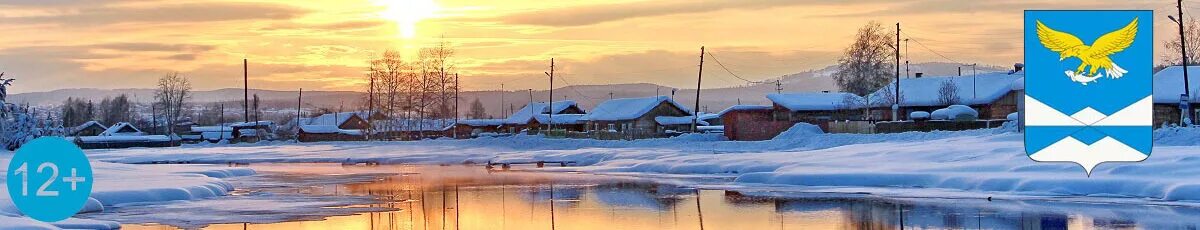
(1088, 81)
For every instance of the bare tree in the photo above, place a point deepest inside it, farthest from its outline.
(866, 64)
(173, 91)
(477, 110)
(1192, 34)
(113, 110)
(948, 93)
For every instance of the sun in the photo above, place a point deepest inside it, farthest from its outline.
(406, 13)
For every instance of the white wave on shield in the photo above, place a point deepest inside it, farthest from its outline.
(1106, 149)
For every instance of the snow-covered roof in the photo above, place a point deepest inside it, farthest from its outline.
(526, 113)
(709, 116)
(335, 119)
(816, 101)
(685, 120)
(481, 122)
(560, 119)
(85, 125)
(253, 123)
(211, 129)
(124, 139)
(629, 108)
(413, 125)
(982, 89)
(743, 107)
(217, 135)
(1168, 84)
(329, 129)
(122, 129)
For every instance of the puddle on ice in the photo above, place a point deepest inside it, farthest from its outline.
(333, 196)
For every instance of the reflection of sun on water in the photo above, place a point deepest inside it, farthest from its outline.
(406, 13)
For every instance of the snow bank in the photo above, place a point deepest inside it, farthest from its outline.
(940, 114)
(919, 115)
(117, 184)
(799, 130)
(961, 113)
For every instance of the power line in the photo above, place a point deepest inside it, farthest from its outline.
(930, 50)
(727, 69)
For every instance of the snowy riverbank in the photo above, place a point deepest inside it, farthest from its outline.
(117, 184)
(990, 161)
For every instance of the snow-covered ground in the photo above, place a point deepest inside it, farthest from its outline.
(117, 184)
(985, 161)
(988, 162)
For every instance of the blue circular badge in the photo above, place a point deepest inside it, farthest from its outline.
(49, 179)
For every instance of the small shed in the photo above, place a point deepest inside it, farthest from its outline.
(751, 123)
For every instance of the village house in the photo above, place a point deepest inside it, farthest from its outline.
(344, 126)
(212, 134)
(635, 117)
(1168, 91)
(535, 116)
(757, 122)
(90, 128)
(124, 135)
(253, 131)
(412, 129)
(469, 128)
(991, 94)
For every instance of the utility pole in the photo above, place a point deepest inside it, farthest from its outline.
(530, 101)
(896, 106)
(370, 107)
(221, 124)
(246, 89)
(550, 104)
(153, 118)
(1186, 97)
(455, 106)
(906, 67)
(299, 101)
(778, 86)
(699, 77)
(610, 95)
(502, 92)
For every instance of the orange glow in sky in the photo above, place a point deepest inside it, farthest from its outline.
(325, 44)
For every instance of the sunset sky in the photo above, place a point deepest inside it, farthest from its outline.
(324, 45)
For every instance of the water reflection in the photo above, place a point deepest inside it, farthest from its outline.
(463, 197)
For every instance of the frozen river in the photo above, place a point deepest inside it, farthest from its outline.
(471, 197)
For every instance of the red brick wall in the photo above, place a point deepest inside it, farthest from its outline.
(752, 125)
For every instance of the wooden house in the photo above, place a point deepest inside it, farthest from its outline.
(991, 94)
(634, 116)
(90, 128)
(468, 128)
(1168, 94)
(536, 116)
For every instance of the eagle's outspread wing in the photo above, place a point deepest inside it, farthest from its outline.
(1115, 41)
(1055, 40)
